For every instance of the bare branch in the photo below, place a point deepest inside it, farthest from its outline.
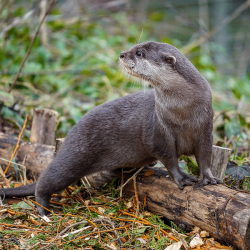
(31, 44)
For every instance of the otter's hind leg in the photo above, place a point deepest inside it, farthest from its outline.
(62, 171)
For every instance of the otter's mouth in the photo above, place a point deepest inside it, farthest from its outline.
(132, 72)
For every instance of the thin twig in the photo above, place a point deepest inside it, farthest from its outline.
(104, 231)
(136, 196)
(149, 223)
(122, 181)
(136, 173)
(22, 226)
(11, 162)
(17, 146)
(31, 44)
(42, 206)
(17, 21)
(112, 225)
(63, 231)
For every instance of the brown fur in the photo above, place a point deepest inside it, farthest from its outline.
(173, 119)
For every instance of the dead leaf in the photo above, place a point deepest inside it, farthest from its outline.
(204, 234)
(33, 221)
(129, 204)
(101, 210)
(196, 241)
(175, 246)
(149, 172)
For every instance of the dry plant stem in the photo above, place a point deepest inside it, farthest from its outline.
(158, 235)
(81, 199)
(149, 223)
(86, 179)
(42, 206)
(16, 21)
(112, 217)
(31, 44)
(84, 222)
(93, 223)
(11, 162)
(136, 173)
(59, 203)
(17, 145)
(14, 212)
(84, 236)
(62, 232)
(5, 179)
(75, 232)
(112, 225)
(22, 226)
(226, 21)
(29, 203)
(44, 36)
(122, 181)
(136, 196)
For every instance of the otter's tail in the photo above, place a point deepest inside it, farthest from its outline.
(19, 191)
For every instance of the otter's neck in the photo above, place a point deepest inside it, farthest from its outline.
(180, 103)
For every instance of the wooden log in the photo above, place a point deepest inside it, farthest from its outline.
(223, 212)
(220, 157)
(59, 142)
(44, 126)
(37, 156)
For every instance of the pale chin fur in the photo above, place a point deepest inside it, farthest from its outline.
(130, 74)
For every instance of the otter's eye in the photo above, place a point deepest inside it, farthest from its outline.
(138, 53)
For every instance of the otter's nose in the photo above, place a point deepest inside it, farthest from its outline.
(122, 55)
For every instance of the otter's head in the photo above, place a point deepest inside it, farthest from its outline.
(150, 61)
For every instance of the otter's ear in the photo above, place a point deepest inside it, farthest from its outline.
(170, 60)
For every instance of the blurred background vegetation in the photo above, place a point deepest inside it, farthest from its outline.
(72, 66)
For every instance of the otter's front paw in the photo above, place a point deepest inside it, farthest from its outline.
(207, 179)
(185, 180)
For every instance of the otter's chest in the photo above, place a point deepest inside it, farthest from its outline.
(185, 141)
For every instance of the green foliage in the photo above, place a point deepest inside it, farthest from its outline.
(77, 70)
(192, 166)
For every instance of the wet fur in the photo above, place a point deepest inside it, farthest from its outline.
(173, 119)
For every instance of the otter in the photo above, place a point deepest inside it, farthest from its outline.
(174, 118)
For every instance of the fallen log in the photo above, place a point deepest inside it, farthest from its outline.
(35, 157)
(223, 212)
